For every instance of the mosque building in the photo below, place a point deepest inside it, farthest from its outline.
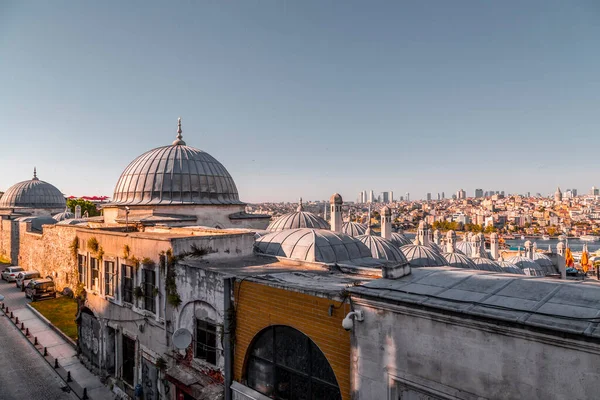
(185, 294)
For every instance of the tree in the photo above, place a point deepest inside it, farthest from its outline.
(490, 229)
(85, 206)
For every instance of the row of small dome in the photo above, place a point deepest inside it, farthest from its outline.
(424, 252)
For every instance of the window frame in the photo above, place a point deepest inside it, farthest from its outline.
(94, 270)
(110, 279)
(278, 367)
(128, 279)
(82, 268)
(148, 287)
(206, 328)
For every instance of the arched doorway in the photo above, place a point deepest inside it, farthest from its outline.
(283, 363)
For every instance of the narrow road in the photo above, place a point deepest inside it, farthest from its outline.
(24, 374)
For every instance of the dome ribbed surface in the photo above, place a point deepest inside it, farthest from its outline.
(175, 174)
(510, 268)
(458, 260)
(383, 249)
(354, 228)
(422, 256)
(485, 264)
(297, 220)
(399, 239)
(465, 247)
(33, 194)
(313, 245)
(528, 266)
(545, 263)
(63, 216)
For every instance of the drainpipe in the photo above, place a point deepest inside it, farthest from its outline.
(227, 335)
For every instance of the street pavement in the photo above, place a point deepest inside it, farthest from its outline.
(57, 347)
(24, 374)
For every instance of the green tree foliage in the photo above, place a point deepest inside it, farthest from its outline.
(490, 229)
(85, 206)
(446, 225)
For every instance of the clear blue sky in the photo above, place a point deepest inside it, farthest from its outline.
(306, 98)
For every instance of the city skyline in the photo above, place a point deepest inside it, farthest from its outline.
(287, 95)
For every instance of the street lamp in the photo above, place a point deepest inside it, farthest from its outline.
(126, 219)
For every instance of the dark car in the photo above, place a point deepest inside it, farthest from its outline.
(40, 289)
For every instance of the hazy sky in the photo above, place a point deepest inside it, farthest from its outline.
(306, 98)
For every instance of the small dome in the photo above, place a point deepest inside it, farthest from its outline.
(298, 219)
(354, 228)
(336, 199)
(545, 263)
(528, 266)
(458, 260)
(63, 215)
(436, 247)
(422, 256)
(33, 194)
(383, 249)
(399, 239)
(313, 245)
(510, 268)
(485, 264)
(175, 174)
(465, 248)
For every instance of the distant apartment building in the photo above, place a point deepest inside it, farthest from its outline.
(478, 193)
(461, 194)
(428, 196)
(371, 196)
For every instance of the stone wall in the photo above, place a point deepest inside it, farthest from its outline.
(260, 306)
(400, 352)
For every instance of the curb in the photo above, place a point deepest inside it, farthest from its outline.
(73, 386)
(54, 328)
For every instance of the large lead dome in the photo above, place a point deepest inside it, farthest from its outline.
(33, 194)
(175, 174)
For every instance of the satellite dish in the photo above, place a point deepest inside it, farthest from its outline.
(182, 338)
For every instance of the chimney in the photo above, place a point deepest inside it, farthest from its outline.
(494, 249)
(560, 260)
(474, 246)
(451, 242)
(437, 237)
(386, 223)
(336, 212)
(529, 250)
(77, 211)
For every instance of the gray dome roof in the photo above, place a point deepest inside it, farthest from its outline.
(510, 268)
(63, 215)
(33, 194)
(314, 245)
(436, 247)
(354, 228)
(459, 260)
(399, 239)
(422, 256)
(298, 219)
(383, 249)
(465, 248)
(485, 264)
(543, 260)
(528, 266)
(175, 174)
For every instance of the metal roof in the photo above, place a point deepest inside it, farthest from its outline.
(459, 260)
(33, 194)
(315, 245)
(383, 249)
(422, 256)
(175, 174)
(566, 306)
(298, 219)
(354, 228)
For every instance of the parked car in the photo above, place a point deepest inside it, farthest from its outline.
(24, 277)
(10, 273)
(40, 288)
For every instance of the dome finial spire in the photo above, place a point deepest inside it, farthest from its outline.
(179, 140)
(300, 208)
(35, 174)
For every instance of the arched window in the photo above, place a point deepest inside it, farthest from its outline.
(285, 364)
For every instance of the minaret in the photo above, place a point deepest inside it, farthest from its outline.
(494, 249)
(335, 203)
(386, 223)
(561, 263)
(451, 242)
(368, 231)
(437, 237)
(529, 250)
(474, 246)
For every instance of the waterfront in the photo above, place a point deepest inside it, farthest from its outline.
(574, 244)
